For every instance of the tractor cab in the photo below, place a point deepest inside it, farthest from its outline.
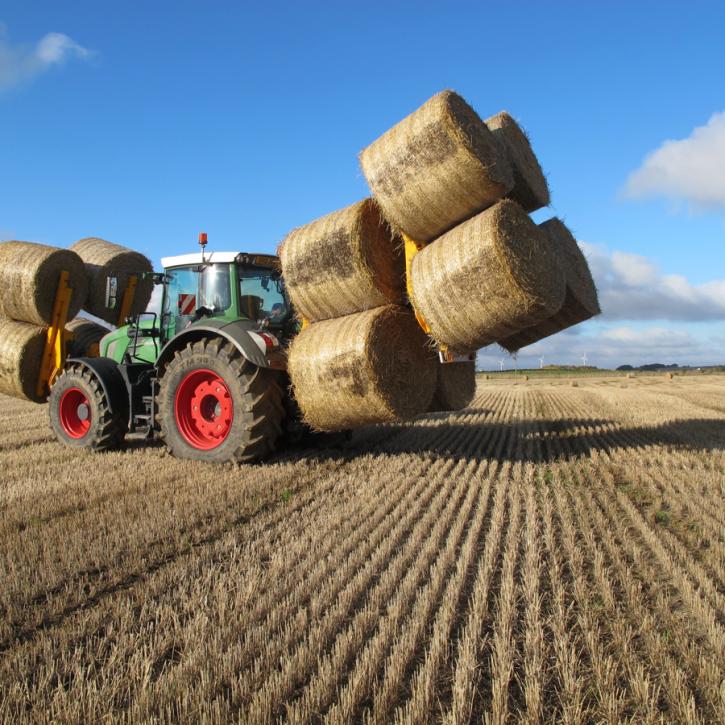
(225, 286)
(202, 289)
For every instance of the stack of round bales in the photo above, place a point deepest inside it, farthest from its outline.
(530, 189)
(437, 167)
(344, 262)
(364, 359)
(29, 277)
(580, 302)
(103, 260)
(368, 367)
(455, 386)
(487, 278)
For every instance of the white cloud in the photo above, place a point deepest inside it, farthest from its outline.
(689, 169)
(20, 63)
(633, 291)
(154, 304)
(632, 288)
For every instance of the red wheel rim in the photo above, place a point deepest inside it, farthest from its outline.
(74, 412)
(203, 409)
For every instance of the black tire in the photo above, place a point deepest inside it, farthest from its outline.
(80, 414)
(254, 393)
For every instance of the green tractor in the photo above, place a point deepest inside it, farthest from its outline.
(207, 374)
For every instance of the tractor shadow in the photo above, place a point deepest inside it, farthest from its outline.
(452, 436)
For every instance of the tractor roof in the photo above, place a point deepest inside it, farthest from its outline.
(195, 258)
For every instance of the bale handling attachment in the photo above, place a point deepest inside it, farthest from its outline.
(57, 337)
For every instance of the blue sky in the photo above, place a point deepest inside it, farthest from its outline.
(145, 123)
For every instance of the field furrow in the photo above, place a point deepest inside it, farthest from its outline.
(549, 554)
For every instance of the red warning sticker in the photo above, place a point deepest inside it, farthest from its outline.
(187, 304)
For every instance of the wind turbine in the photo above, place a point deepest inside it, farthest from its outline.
(501, 362)
(584, 359)
(541, 362)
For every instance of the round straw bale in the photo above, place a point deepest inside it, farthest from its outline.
(455, 386)
(104, 259)
(486, 279)
(580, 301)
(344, 262)
(369, 367)
(29, 276)
(86, 334)
(435, 168)
(530, 188)
(21, 352)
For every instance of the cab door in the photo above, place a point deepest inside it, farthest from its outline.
(180, 300)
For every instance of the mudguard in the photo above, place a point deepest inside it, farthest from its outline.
(111, 380)
(238, 333)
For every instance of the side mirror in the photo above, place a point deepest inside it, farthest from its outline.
(111, 292)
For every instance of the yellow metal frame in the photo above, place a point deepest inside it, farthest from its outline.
(54, 353)
(411, 249)
(127, 301)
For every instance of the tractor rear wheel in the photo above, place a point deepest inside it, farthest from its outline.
(215, 406)
(80, 413)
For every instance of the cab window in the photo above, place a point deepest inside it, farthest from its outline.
(193, 287)
(262, 297)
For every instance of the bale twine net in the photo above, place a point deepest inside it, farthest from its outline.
(21, 352)
(86, 334)
(104, 259)
(580, 302)
(344, 262)
(487, 279)
(29, 276)
(455, 386)
(369, 367)
(435, 168)
(530, 188)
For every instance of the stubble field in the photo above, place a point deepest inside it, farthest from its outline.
(551, 553)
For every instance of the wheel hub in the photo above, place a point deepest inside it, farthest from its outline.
(203, 409)
(74, 413)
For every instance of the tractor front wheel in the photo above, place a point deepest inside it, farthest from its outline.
(215, 406)
(80, 414)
